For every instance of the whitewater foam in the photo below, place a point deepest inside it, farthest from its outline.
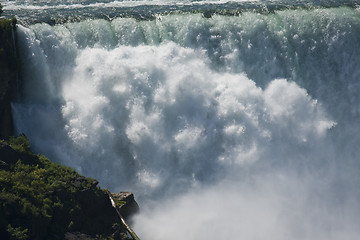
(175, 113)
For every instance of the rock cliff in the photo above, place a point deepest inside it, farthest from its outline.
(44, 200)
(9, 67)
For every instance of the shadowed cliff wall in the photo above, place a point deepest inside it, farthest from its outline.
(9, 66)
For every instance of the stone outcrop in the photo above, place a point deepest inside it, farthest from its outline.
(8, 156)
(128, 205)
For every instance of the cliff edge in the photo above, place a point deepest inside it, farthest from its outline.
(9, 68)
(40, 199)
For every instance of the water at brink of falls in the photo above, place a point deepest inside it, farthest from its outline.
(228, 120)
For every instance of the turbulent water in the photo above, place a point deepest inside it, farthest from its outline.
(226, 119)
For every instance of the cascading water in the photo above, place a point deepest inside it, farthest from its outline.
(234, 126)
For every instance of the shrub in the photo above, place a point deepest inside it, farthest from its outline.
(40, 199)
(20, 144)
(17, 233)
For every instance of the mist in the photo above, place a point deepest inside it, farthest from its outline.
(272, 206)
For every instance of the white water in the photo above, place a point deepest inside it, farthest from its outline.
(229, 127)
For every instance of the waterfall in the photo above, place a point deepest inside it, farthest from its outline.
(233, 126)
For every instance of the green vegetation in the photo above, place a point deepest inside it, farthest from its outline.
(119, 203)
(40, 199)
(7, 23)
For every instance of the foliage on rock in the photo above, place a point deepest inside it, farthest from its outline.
(40, 199)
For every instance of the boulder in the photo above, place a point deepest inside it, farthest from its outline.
(128, 205)
(8, 156)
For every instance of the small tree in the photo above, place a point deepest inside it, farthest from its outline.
(1, 9)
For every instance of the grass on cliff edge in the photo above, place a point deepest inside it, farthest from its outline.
(7, 24)
(40, 199)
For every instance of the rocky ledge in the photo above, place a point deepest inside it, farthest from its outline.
(127, 204)
(40, 199)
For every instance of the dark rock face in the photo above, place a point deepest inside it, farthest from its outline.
(129, 206)
(77, 236)
(9, 65)
(8, 156)
(96, 215)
